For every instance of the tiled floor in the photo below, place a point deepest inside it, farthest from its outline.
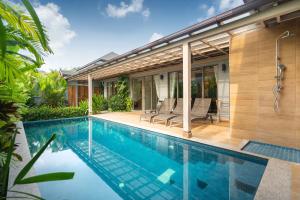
(216, 133)
(283, 153)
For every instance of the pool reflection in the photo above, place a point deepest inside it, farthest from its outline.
(137, 164)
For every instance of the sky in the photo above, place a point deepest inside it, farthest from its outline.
(81, 31)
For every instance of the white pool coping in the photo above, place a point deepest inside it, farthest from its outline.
(23, 150)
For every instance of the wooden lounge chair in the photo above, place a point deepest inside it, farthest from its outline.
(199, 111)
(161, 108)
(166, 116)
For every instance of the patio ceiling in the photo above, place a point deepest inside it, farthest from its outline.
(209, 42)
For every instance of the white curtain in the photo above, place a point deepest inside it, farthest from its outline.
(173, 80)
(216, 70)
(156, 81)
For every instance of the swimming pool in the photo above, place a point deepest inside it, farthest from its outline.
(115, 161)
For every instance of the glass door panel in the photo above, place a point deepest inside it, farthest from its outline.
(197, 81)
(137, 94)
(148, 92)
(210, 87)
(173, 84)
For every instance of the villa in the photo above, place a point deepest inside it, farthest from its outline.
(213, 113)
(247, 60)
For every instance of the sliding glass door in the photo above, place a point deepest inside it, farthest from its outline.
(203, 85)
(137, 94)
(150, 93)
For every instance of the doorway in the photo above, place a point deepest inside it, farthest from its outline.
(137, 93)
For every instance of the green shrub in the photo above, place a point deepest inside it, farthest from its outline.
(121, 101)
(129, 104)
(99, 103)
(84, 105)
(116, 103)
(47, 112)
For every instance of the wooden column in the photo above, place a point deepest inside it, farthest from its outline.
(90, 94)
(187, 70)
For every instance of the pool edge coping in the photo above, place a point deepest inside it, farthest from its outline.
(22, 150)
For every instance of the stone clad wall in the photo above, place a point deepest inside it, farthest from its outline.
(252, 71)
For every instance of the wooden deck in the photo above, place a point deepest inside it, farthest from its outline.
(216, 132)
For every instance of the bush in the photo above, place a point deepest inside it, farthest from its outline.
(47, 112)
(121, 101)
(116, 103)
(129, 104)
(99, 103)
(84, 105)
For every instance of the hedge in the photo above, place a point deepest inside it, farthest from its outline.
(46, 112)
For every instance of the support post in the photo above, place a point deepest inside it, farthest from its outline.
(90, 94)
(76, 93)
(187, 71)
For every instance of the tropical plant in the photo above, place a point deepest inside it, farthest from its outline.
(99, 103)
(121, 101)
(20, 179)
(52, 88)
(23, 42)
(83, 104)
(48, 112)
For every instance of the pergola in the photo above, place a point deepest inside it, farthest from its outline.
(207, 39)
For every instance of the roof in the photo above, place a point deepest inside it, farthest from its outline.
(90, 65)
(199, 30)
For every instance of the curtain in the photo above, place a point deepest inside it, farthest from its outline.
(218, 102)
(156, 81)
(173, 82)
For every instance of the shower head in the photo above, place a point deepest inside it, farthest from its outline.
(286, 34)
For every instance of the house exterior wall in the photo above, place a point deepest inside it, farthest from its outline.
(252, 71)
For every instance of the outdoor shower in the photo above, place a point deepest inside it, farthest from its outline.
(280, 68)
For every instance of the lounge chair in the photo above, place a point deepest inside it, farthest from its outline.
(165, 117)
(161, 108)
(199, 111)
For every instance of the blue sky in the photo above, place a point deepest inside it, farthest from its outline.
(83, 30)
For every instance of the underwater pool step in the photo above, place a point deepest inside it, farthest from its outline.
(274, 151)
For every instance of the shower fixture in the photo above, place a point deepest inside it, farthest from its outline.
(280, 68)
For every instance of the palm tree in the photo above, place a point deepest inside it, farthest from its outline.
(23, 42)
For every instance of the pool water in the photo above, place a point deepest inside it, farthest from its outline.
(115, 161)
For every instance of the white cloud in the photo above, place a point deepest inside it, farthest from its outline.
(57, 26)
(211, 11)
(146, 13)
(155, 36)
(208, 11)
(217, 7)
(58, 29)
(136, 6)
(228, 4)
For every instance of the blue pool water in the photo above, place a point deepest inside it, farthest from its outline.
(114, 161)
